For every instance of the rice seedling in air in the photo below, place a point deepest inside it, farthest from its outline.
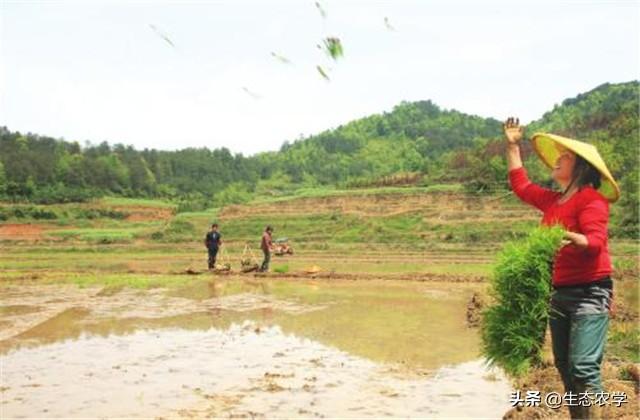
(162, 35)
(280, 58)
(333, 47)
(513, 327)
(250, 93)
(321, 9)
(323, 73)
(388, 24)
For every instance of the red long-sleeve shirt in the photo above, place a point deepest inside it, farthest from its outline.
(585, 212)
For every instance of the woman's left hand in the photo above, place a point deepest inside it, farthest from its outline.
(576, 239)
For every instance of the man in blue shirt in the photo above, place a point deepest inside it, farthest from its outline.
(213, 242)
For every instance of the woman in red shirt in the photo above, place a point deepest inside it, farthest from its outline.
(582, 285)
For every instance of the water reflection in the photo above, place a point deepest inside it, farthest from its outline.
(243, 369)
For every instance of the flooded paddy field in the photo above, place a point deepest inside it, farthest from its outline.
(239, 346)
(98, 319)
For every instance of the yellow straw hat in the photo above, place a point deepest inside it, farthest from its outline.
(546, 146)
(314, 269)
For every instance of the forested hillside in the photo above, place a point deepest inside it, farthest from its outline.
(412, 137)
(416, 142)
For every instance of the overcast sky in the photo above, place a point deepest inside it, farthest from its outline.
(96, 70)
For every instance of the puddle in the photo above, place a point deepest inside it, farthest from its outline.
(240, 370)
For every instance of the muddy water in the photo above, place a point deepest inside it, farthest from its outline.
(305, 349)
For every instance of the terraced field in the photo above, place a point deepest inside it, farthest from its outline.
(379, 287)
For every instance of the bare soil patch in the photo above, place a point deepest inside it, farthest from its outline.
(21, 231)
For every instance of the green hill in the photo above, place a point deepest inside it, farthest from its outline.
(416, 143)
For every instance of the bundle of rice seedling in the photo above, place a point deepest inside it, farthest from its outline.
(513, 327)
(247, 265)
(333, 47)
(223, 267)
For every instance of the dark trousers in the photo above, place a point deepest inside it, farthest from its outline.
(578, 320)
(213, 253)
(578, 347)
(267, 259)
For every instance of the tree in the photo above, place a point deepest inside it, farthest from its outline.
(3, 180)
(445, 145)
(70, 170)
(627, 210)
(142, 179)
(110, 173)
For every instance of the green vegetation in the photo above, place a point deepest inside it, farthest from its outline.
(177, 230)
(446, 232)
(411, 229)
(97, 236)
(415, 144)
(31, 212)
(370, 191)
(139, 202)
(513, 327)
(623, 342)
(282, 269)
(158, 199)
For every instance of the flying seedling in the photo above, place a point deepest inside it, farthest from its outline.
(252, 94)
(280, 58)
(323, 73)
(323, 12)
(162, 35)
(388, 24)
(333, 47)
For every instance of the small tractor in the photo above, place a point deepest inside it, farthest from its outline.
(281, 247)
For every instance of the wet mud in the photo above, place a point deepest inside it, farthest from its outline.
(249, 349)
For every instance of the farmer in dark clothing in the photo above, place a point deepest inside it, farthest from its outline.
(266, 246)
(213, 242)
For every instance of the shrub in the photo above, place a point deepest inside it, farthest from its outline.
(107, 238)
(513, 327)
(43, 214)
(235, 193)
(192, 202)
(175, 231)
(59, 193)
(98, 213)
(282, 269)
(625, 214)
(28, 212)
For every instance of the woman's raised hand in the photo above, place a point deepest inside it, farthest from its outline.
(513, 131)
